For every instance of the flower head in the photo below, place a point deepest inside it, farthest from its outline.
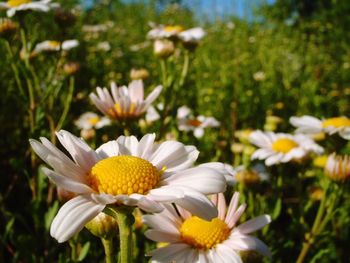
(282, 147)
(14, 6)
(162, 31)
(54, 46)
(187, 122)
(192, 239)
(124, 102)
(311, 125)
(125, 172)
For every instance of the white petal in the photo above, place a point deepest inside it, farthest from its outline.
(235, 217)
(197, 204)
(128, 145)
(73, 216)
(253, 224)
(151, 97)
(173, 253)
(244, 242)
(67, 183)
(108, 149)
(160, 236)
(198, 133)
(228, 254)
(145, 146)
(147, 204)
(166, 194)
(203, 179)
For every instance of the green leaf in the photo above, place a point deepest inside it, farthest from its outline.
(84, 251)
(50, 214)
(277, 210)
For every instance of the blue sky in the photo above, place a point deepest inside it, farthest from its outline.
(241, 8)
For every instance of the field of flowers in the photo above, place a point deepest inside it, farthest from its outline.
(142, 132)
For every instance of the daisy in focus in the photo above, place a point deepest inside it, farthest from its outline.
(124, 102)
(192, 239)
(311, 125)
(187, 122)
(54, 46)
(90, 120)
(126, 172)
(282, 147)
(14, 6)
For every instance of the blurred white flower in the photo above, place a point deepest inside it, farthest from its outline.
(259, 76)
(52, 45)
(90, 120)
(311, 125)
(187, 122)
(14, 6)
(104, 46)
(193, 35)
(192, 239)
(124, 102)
(282, 147)
(162, 31)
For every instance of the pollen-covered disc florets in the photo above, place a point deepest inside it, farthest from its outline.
(203, 234)
(123, 175)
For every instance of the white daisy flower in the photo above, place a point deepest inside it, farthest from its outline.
(162, 31)
(187, 122)
(14, 6)
(52, 45)
(193, 35)
(90, 120)
(311, 125)
(282, 147)
(124, 102)
(192, 239)
(125, 172)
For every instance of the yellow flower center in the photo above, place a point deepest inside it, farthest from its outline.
(194, 123)
(94, 120)
(54, 44)
(336, 122)
(123, 175)
(14, 3)
(175, 29)
(284, 145)
(203, 234)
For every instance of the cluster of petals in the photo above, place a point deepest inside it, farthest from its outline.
(124, 102)
(179, 183)
(165, 227)
(192, 35)
(90, 120)
(302, 146)
(311, 125)
(187, 122)
(13, 6)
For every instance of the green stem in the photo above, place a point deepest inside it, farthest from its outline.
(125, 220)
(184, 68)
(164, 73)
(108, 247)
(67, 105)
(315, 230)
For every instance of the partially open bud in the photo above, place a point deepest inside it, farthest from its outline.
(315, 193)
(248, 177)
(136, 74)
(338, 167)
(103, 226)
(163, 48)
(71, 68)
(7, 27)
(87, 134)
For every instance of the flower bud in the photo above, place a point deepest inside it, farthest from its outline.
(103, 226)
(163, 48)
(7, 27)
(338, 167)
(136, 74)
(71, 68)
